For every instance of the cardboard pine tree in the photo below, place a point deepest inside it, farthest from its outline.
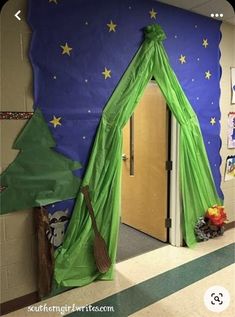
(39, 175)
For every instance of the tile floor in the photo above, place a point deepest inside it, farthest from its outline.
(167, 282)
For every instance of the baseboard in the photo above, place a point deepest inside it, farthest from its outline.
(18, 303)
(229, 225)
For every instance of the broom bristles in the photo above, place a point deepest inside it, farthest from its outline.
(101, 255)
(102, 258)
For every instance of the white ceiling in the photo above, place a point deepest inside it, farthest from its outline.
(204, 7)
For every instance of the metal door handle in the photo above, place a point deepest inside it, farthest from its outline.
(124, 157)
(132, 147)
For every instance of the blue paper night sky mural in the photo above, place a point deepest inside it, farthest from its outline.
(80, 50)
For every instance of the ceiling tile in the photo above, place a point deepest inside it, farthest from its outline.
(232, 20)
(185, 4)
(204, 7)
(215, 6)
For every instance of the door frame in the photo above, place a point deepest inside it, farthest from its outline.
(175, 208)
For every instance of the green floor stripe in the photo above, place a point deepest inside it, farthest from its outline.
(148, 292)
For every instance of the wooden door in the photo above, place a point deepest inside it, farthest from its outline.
(144, 194)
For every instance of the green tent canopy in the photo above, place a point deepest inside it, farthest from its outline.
(74, 263)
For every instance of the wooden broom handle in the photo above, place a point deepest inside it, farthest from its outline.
(85, 191)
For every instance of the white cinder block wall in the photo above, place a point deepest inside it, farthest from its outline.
(227, 60)
(17, 245)
(18, 257)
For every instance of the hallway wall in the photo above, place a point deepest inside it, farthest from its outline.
(18, 247)
(18, 264)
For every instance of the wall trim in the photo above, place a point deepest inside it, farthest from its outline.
(229, 225)
(18, 303)
(15, 115)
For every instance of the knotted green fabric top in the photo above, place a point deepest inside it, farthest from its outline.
(154, 32)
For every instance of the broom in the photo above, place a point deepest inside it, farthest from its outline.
(101, 255)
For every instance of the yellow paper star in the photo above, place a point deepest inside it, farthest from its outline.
(66, 49)
(55, 121)
(55, 1)
(205, 43)
(182, 59)
(106, 73)
(153, 14)
(112, 26)
(207, 74)
(213, 121)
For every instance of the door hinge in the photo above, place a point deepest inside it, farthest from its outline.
(168, 223)
(169, 165)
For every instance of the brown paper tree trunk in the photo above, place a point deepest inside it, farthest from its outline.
(45, 252)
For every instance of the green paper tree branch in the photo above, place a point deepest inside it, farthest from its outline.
(39, 175)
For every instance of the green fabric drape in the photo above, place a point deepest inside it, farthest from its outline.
(74, 264)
